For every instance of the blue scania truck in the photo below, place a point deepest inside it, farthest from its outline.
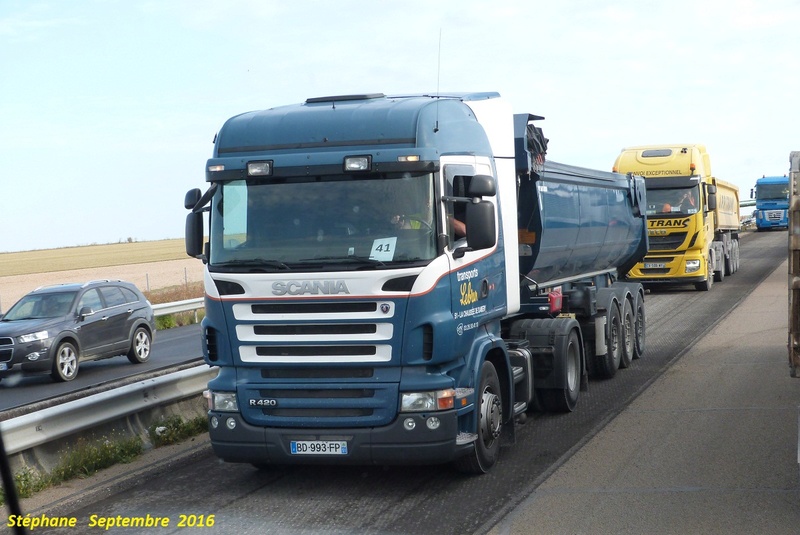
(772, 202)
(398, 280)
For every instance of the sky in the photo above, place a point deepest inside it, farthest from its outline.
(108, 108)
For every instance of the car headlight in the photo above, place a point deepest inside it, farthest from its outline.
(222, 401)
(692, 266)
(427, 401)
(32, 337)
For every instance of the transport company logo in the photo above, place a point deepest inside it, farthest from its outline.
(669, 223)
(312, 287)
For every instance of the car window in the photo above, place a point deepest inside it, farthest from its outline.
(112, 296)
(130, 295)
(90, 299)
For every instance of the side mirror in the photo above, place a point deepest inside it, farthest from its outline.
(192, 198)
(85, 311)
(482, 186)
(712, 201)
(480, 225)
(194, 234)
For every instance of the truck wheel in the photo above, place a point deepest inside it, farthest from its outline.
(139, 351)
(628, 333)
(608, 363)
(65, 363)
(565, 399)
(490, 425)
(705, 285)
(640, 324)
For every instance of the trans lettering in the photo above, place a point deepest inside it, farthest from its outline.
(309, 287)
(672, 223)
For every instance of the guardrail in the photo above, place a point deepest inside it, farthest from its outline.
(50, 424)
(186, 305)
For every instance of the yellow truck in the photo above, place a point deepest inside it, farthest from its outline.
(692, 217)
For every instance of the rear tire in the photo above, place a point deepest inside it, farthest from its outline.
(628, 334)
(640, 325)
(565, 399)
(490, 425)
(608, 363)
(139, 351)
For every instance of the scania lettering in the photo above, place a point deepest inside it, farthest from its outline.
(399, 280)
(693, 217)
(310, 287)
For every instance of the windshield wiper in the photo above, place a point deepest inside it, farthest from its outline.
(365, 260)
(255, 263)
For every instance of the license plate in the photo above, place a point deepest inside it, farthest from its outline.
(654, 265)
(3, 366)
(319, 447)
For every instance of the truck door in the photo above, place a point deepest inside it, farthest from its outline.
(476, 277)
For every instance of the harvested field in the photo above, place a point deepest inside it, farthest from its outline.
(149, 265)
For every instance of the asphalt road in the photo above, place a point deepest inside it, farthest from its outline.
(423, 500)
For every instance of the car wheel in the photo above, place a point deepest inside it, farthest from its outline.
(65, 362)
(140, 346)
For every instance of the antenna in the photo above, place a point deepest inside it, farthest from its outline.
(438, 75)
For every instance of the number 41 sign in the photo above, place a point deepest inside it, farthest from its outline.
(383, 249)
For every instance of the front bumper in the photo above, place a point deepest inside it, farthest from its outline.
(18, 358)
(388, 445)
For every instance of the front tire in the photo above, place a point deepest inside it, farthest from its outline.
(65, 363)
(140, 346)
(490, 425)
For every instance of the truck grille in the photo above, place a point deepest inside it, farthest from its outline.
(670, 242)
(774, 215)
(317, 364)
(319, 333)
(303, 405)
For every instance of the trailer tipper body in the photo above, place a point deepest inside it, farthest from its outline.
(692, 217)
(397, 280)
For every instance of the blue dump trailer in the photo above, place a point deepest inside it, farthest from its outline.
(398, 280)
(772, 202)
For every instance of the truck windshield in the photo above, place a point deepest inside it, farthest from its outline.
(673, 201)
(323, 222)
(772, 192)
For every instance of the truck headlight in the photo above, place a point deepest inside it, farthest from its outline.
(692, 266)
(32, 337)
(439, 400)
(222, 401)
